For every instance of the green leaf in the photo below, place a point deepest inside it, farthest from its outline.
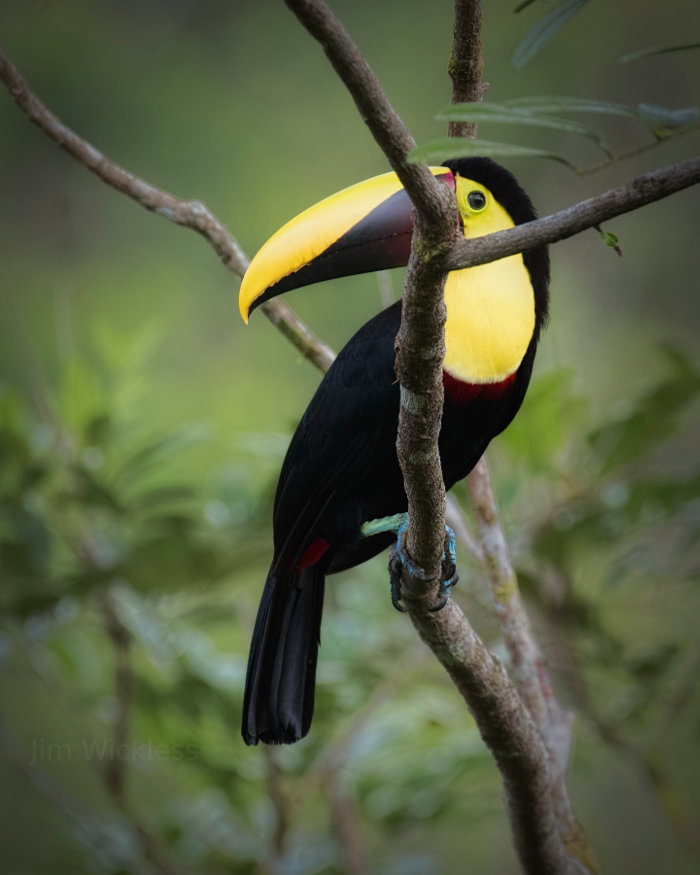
(651, 420)
(160, 449)
(439, 150)
(544, 30)
(563, 103)
(610, 239)
(502, 113)
(664, 121)
(552, 411)
(649, 115)
(650, 51)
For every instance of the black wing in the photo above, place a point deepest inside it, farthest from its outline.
(329, 481)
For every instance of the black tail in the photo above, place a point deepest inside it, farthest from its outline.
(279, 687)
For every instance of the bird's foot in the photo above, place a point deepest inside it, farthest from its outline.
(400, 560)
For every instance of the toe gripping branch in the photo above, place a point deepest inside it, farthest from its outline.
(399, 560)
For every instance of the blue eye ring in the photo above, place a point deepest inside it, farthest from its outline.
(476, 200)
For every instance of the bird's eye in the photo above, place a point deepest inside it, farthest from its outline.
(476, 200)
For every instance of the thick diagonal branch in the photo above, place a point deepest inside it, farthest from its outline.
(420, 343)
(642, 190)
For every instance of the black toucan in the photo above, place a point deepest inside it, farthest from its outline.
(341, 469)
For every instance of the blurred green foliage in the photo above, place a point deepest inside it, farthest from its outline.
(141, 429)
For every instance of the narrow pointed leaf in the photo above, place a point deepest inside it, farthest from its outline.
(504, 114)
(663, 121)
(656, 118)
(556, 103)
(436, 151)
(544, 30)
(657, 50)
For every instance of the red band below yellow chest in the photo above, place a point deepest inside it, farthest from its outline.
(459, 392)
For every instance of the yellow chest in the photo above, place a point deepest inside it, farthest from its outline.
(490, 320)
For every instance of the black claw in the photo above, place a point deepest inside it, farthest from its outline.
(444, 596)
(395, 566)
(448, 570)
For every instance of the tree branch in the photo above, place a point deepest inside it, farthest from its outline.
(430, 200)
(420, 342)
(466, 63)
(190, 214)
(114, 772)
(529, 672)
(645, 189)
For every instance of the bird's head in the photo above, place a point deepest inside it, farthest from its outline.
(368, 227)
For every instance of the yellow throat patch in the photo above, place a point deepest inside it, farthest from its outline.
(491, 307)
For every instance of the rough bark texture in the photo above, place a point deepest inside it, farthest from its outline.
(466, 63)
(645, 189)
(420, 347)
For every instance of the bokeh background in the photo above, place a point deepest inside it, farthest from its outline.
(142, 426)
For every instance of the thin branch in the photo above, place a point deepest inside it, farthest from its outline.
(466, 63)
(456, 518)
(114, 773)
(430, 200)
(282, 807)
(345, 820)
(529, 671)
(298, 333)
(645, 189)
(515, 628)
(192, 214)
(509, 732)
(465, 66)
(189, 214)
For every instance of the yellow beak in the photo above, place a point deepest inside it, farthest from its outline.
(365, 227)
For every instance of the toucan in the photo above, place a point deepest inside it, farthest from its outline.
(341, 470)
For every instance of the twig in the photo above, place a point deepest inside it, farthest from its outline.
(466, 63)
(281, 805)
(114, 773)
(345, 821)
(190, 214)
(455, 517)
(645, 189)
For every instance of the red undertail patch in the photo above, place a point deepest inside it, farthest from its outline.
(313, 553)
